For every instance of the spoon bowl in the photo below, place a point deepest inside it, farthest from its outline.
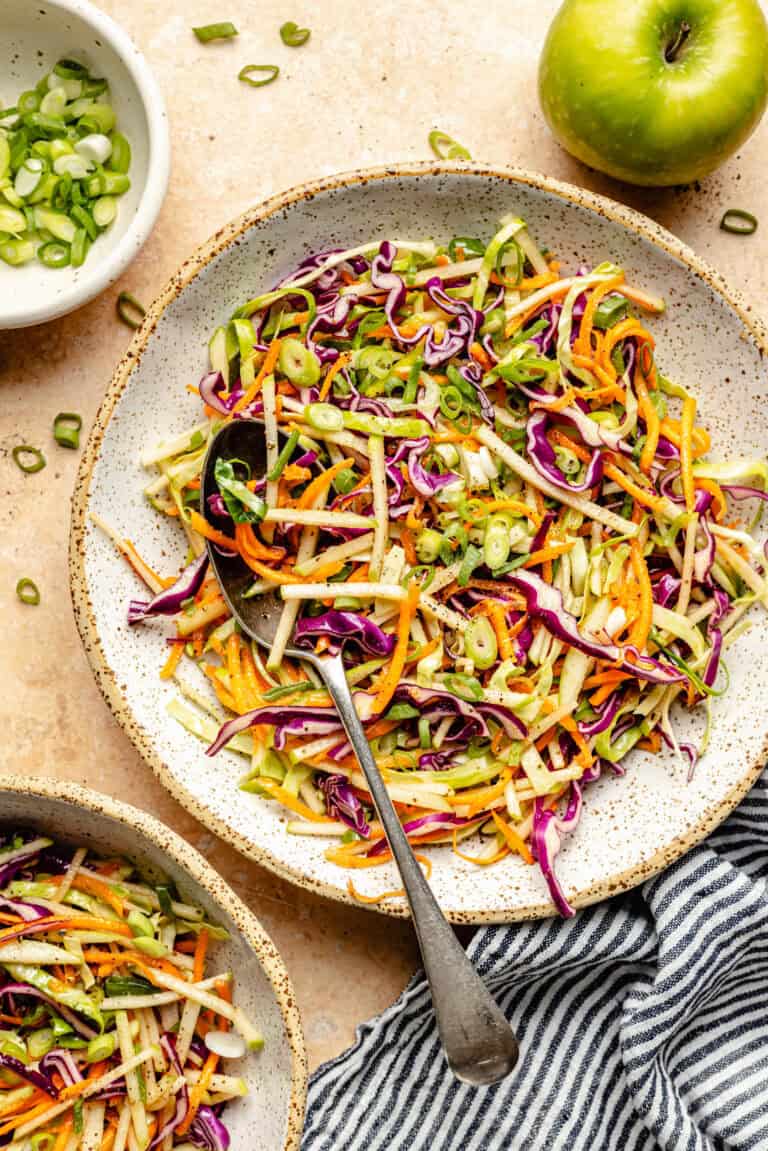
(258, 615)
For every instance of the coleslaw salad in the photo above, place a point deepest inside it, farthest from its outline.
(112, 1031)
(480, 485)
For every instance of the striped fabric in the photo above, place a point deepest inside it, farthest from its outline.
(643, 1024)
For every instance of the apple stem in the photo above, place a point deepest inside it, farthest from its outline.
(673, 49)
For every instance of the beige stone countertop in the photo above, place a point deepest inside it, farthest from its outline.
(372, 82)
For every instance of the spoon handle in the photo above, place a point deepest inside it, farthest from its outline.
(479, 1044)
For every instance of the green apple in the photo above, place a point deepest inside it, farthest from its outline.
(655, 91)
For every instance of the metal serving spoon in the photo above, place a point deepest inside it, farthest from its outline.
(479, 1044)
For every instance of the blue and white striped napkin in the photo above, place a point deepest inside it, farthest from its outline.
(643, 1024)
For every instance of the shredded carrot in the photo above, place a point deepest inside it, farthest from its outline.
(719, 506)
(520, 321)
(332, 372)
(503, 850)
(199, 524)
(687, 421)
(389, 681)
(358, 895)
(170, 665)
(642, 625)
(498, 617)
(406, 539)
(612, 676)
(583, 343)
(250, 393)
(515, 841)
(92, 886)
(76, 922)
(201, 949)
(277, 792)
(26, 1116)
(552, 551)
(322, 482)
(652, 421)
(701, 441)
(478, 353)
(651, 742)
(64, 1133)
(248, 544)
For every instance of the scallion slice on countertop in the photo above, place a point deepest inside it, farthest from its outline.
(224, 30)
(292, 35)
(28, 458)
(738, 222)
(271, 72)
(446, 148)
(66, 429)
(27, 591)
(130, 310)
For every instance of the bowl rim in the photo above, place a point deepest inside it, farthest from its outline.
(104, 272)
(189, 859)
(225, 237)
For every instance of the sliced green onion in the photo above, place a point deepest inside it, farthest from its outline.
(85, 220)
(292, 35)
(102, 119)
(116, 986)
(140, 924)
(225, 30)
(324, 417)
(104, 211)
(40, 1042)
(473, 557)
(465, 686)
(288, 689)
(344, 481)
(451, 402)
(66, 429)
(285, 454)
(130, 310)
(70, 69)
(79, 248)
(54, 254)
(166, 901)
(480, 643)
(272, 72)
(739, 222)
(35, 464)
(468, 245)
(15, 252)
(298, 363)
(28, 102)
(120, 160)
(107, 184)
(28, 591)
(446, 148)
(496, 541)
(428, 545)
(609, 311)
(102, 1047)
(402, 711)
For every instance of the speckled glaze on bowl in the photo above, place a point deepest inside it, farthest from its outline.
(633, 826)
(271, 1116)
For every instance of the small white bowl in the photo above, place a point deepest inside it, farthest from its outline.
(36, 35)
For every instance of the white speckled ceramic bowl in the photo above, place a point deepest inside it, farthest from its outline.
(633, 826)
(271, 1116)
(35, 34)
